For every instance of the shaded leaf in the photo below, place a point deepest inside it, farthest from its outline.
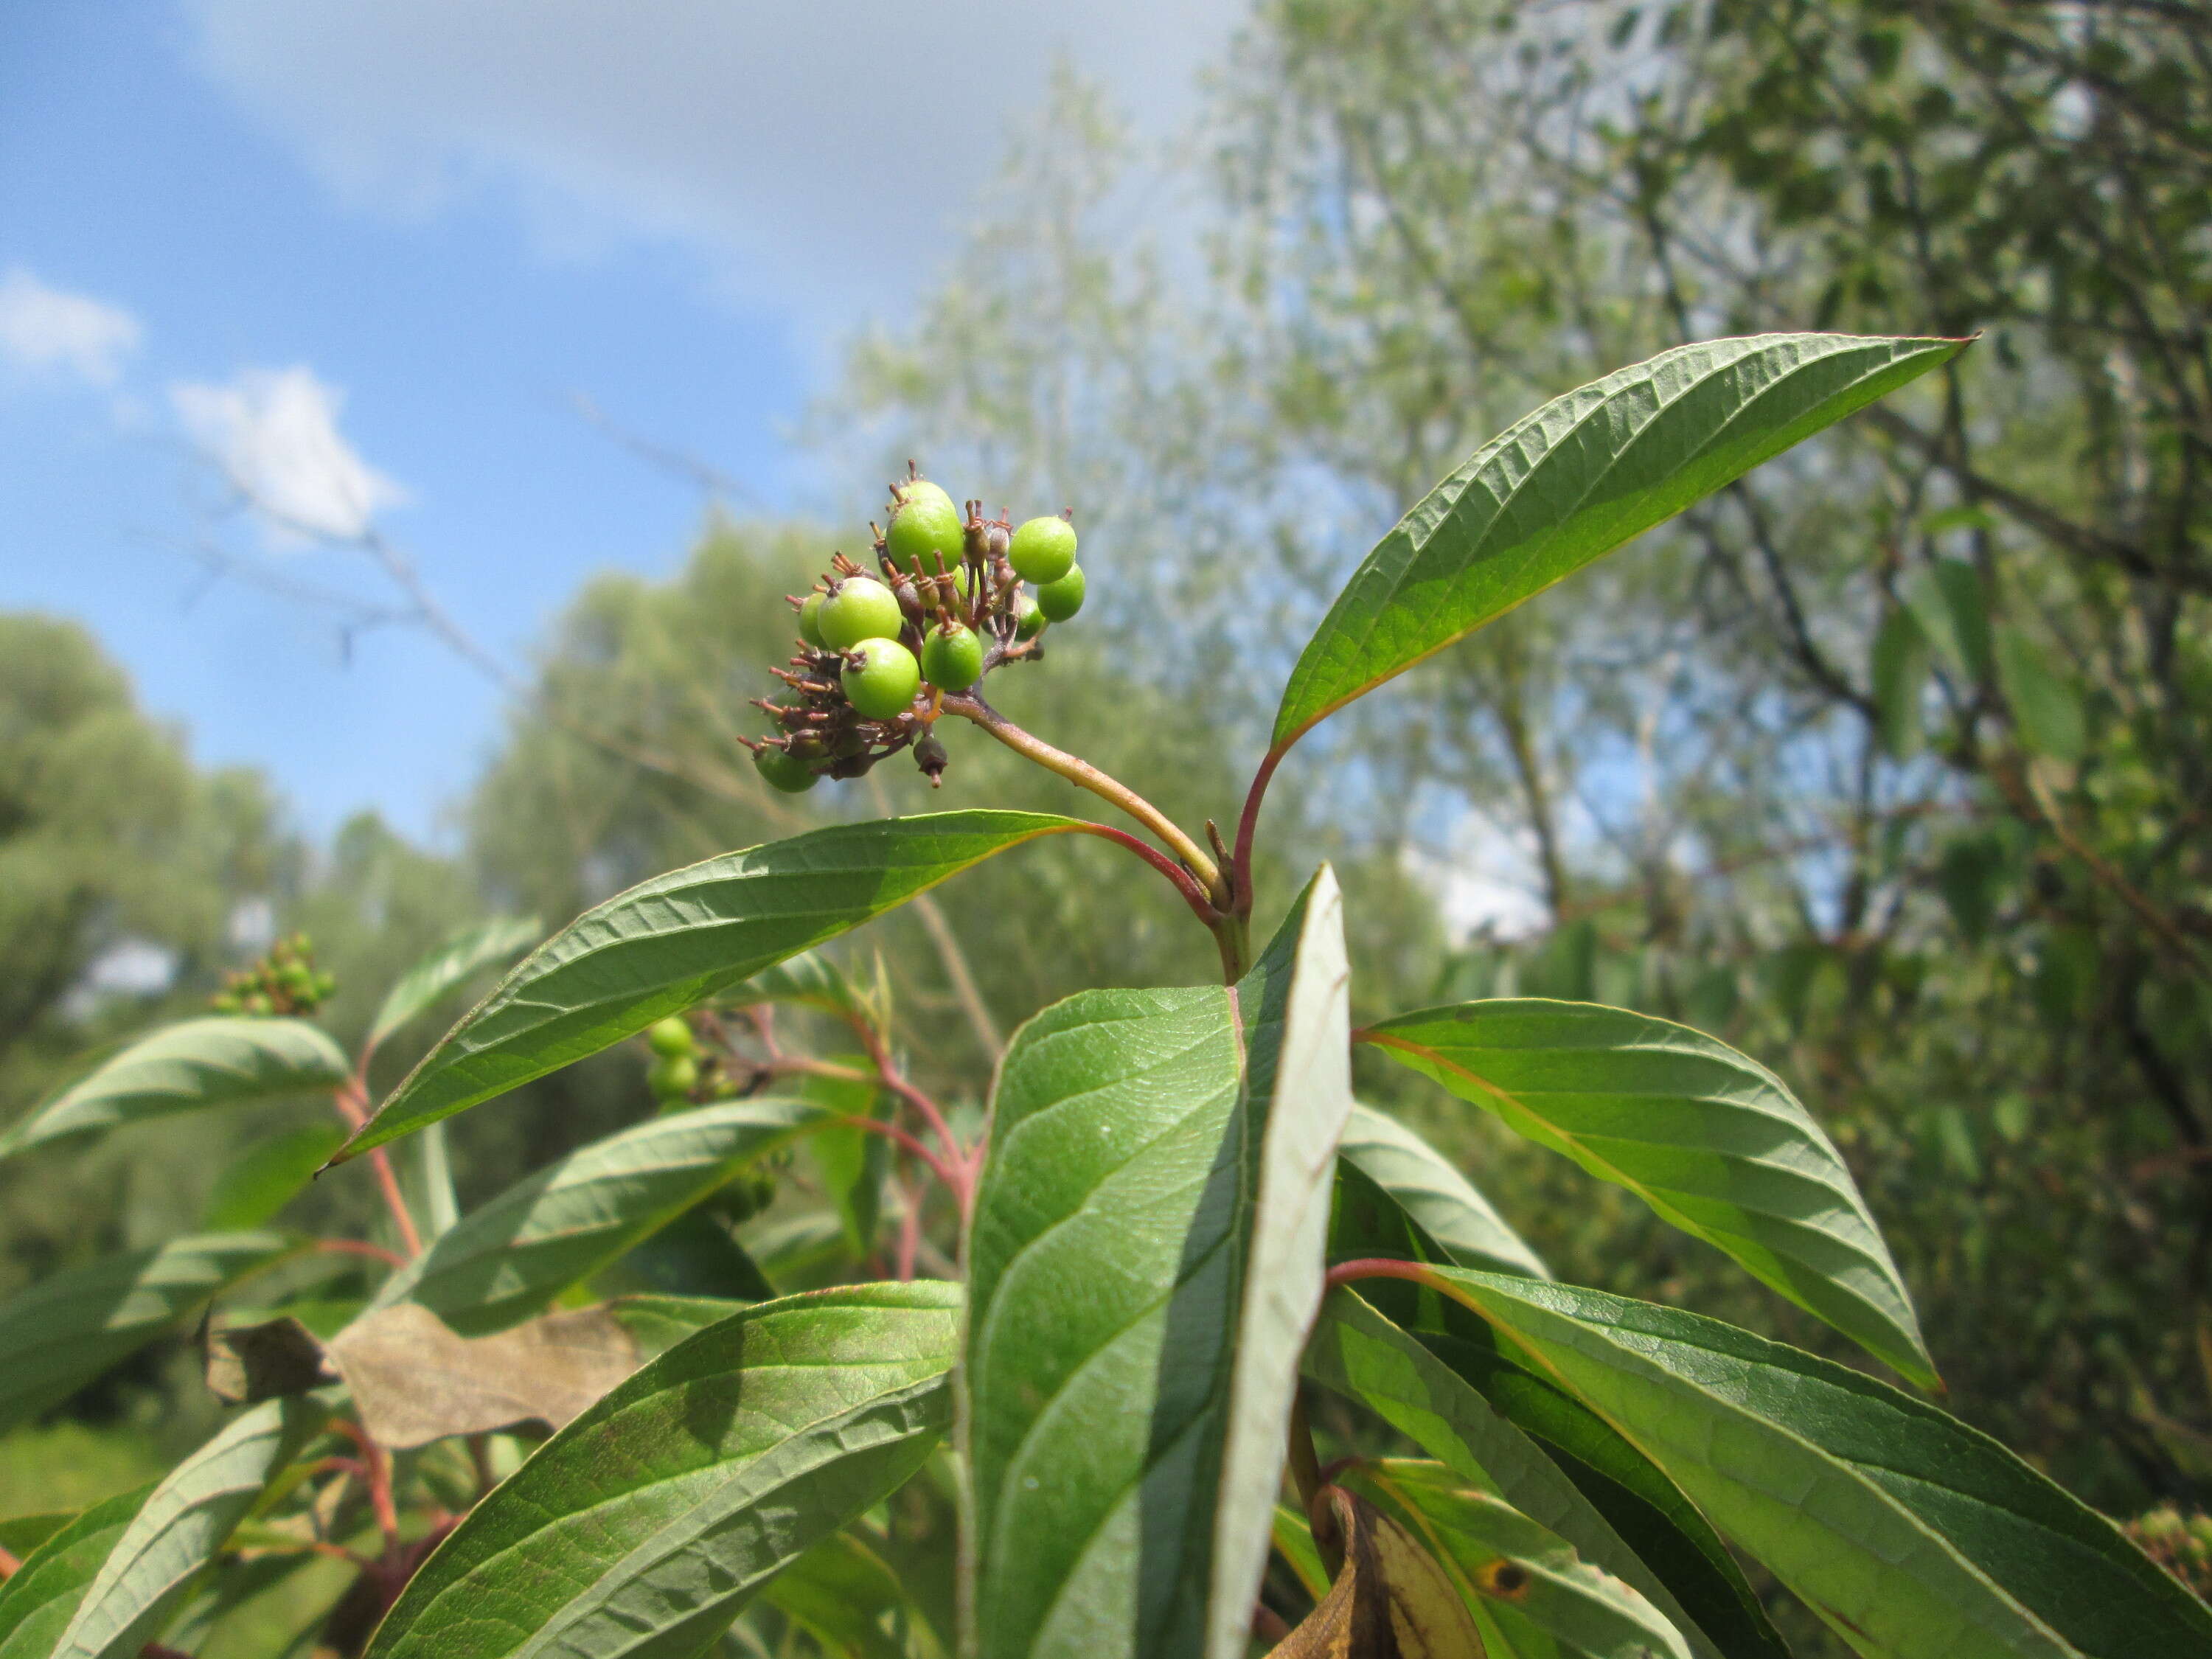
(840, 1592)
(1549, 1457)
(225, 1061)
(183, 1523)
(1132, 1185)
(505, 1261)
(466, 954)
(1522, 1579)
(1945, 597)
(254, 1190)
(646, 1525)
(1572, 482)
(1898, 671)
(1911, 1533)
(694, 1255)
(851, 1162)
(1436, 1196)
(808, 980)
(2046, 706)
(39, 1598)
(673, 942)
(70, 1326)
(1390, 1600)
(658, 1323)
(248, 1364)
(414, 1381)
(1294, 1542)
(1713, 1142)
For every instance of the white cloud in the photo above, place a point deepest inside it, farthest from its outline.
(1489, 883)
(274, 435)
(48, 329)
(820, 154)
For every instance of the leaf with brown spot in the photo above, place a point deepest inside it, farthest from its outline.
(414, 1381)
(1391, 1600)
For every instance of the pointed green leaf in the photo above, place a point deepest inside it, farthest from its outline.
(181, 1525)
(1549, 1457)
(502, 1263)
(1572, 482)
(644, 1526)
(66, 1329)
(1436, 1196)
(453, 961)
(1522, 1579)
(1145, 1252)
(39, 1598)
(2046, 707)
(839, 1592)
(223, 1062)
(1710, 1139)
(671, 943)
(255, 1188)
(1916, 1536)
(657, 1323)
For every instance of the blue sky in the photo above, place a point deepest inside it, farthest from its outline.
(366, 251)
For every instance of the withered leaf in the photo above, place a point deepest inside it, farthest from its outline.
(414, 1381)
(1390, 1600)
(248, 1364)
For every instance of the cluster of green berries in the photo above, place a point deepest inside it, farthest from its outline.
(285, 981)
(2182, 1545)
(878, 655)
(674, 1079)
(683, 1076)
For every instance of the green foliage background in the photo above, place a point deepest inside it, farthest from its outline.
(1887, 766)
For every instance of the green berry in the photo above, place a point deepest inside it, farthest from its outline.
(925, 525)
(673, 1077)
(952, 658)
(1062, 599)
(809, 620)
(786, 772)
(1029, 620)
(862, 608)
(1043, 549)
(670, 1038)
(881, 680)
(920, 490)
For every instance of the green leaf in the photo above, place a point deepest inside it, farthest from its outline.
(1899, 673)
(1436, 1196)
(1710, 1140)
(658, 1323)
(255, 1188)
(1572, 482)
(1145, 1253)
(849, 1161)
(464, 954)
(645, 1526)
(2046, 706)
(841, 1591)
(222, 1061)
(68, 1329)
(1916, 1536)
(502, 1263)
(1523, 1578)
(21, 1533)
(181, 1525)
(808, 980)
(1945, 597)
(1549, 1457)
(671, 943)
(39, 1598)
(694, 1255)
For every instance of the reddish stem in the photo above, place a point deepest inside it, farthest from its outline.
(1248, 825)
(1379, 1266)
(351, 1098)
(378, 1470)
(907, 1139)
(909, 1244)
(1185, 884)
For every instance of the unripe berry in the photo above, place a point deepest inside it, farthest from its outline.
(924, 525)
(1062, 599)
(952, 658)
(673, 1077)
(809, 621)
(920, 490)
(670, 1038)
(1029, 620)
(1043, 549)
(881, 678)
(862, 608)
(785, 772)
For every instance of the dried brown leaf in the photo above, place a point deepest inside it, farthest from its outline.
(414, 1381)
(1390, 1600)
